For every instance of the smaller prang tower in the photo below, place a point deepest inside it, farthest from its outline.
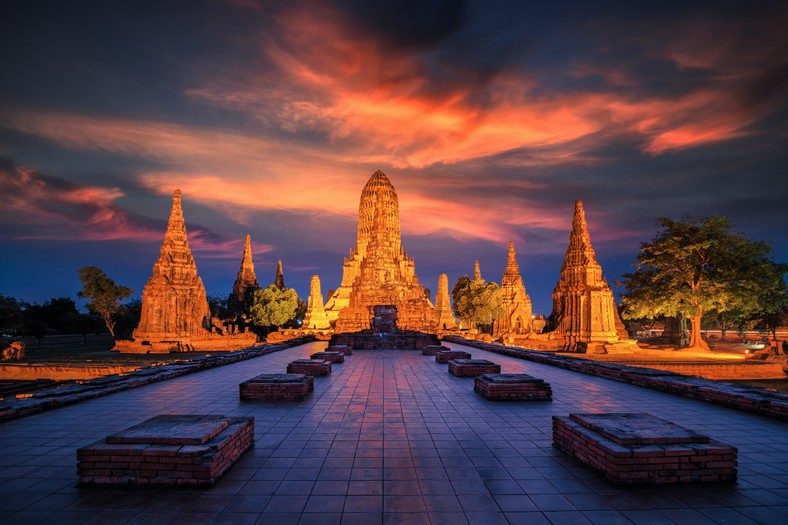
(584, 312)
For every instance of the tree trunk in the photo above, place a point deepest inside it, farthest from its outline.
(696, 341)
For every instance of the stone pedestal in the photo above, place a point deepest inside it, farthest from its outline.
(473, 367)
(274, 387)
(638, 448)
(447, 355)
(513, 387)
(344, 349)
(167, 450)
(434, 349)
(334, 357)
(309, 367)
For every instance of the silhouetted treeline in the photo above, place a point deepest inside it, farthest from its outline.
(59, 316)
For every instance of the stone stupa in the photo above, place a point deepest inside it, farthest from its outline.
(175, 315)
(515, 301)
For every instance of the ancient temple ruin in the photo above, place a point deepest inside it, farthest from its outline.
(444, 317)
(378, 271)
(279, 280)
(245, 283)
(175, 316)
(584, 312)
(514, 300)
(315, 317)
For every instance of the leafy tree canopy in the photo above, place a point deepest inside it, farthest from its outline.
(273, 306)
(476, 301)
(103, 294)
(698, 265)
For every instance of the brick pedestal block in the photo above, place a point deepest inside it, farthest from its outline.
(334, 357)
(434, 349)
(473, 367)
(167, 450)
(309, 367)
(345, 349)
(447, 355)
(513, 387)
(277, 387)
(637, 448)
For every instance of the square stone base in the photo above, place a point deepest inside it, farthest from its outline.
(309, 367)
(273, 387)
(167, 450)
(434, 349)
(638, 449)
(334, 357)
(473, 367)
(512, 387)
(345, 349)
(447, 355)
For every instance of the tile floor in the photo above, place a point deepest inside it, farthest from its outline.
(389, 437)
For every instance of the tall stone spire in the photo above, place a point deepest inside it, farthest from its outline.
(514, 300)
(245, 281)
(174, 303)
(279, 280)
(584, 311)
(443, 314)
(315, 317)
(378, 271)
(477, 273)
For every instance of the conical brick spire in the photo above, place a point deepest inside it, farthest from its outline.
(315, 317)
(174, 303)
(279, 281)
(245, 281)
(514, 300)
(477, 273)
(583, 307)
(443, 314)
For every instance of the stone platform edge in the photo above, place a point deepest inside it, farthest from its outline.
(750, 399)
(102, 386)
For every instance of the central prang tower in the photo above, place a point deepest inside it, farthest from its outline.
(378, 271)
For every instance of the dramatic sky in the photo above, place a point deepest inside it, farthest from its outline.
(489, 117)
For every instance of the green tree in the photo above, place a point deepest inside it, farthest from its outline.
(696, 266)
(103, 294)
(273, 306)
(477, 302)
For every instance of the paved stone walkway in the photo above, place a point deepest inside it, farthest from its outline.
(388, 437)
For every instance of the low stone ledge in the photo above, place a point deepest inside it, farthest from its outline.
(192, 450)
(434, 349)
(401, 340)
(73, 393)
(309, 367)
(750, 399)
(334, 357)
(447, 355)
(473, 367)
(512, 387)
(344, 349)
(277, 387)
(639, 449)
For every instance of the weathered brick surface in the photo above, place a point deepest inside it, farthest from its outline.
(512, 387)
(447, 355)
(473, 367)
(677, 457)
(750, 399)
(401, 340)
(309, 367)
(345, 349)
(334, 357)
(434, 349)
(272, 387)
(137, 463)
